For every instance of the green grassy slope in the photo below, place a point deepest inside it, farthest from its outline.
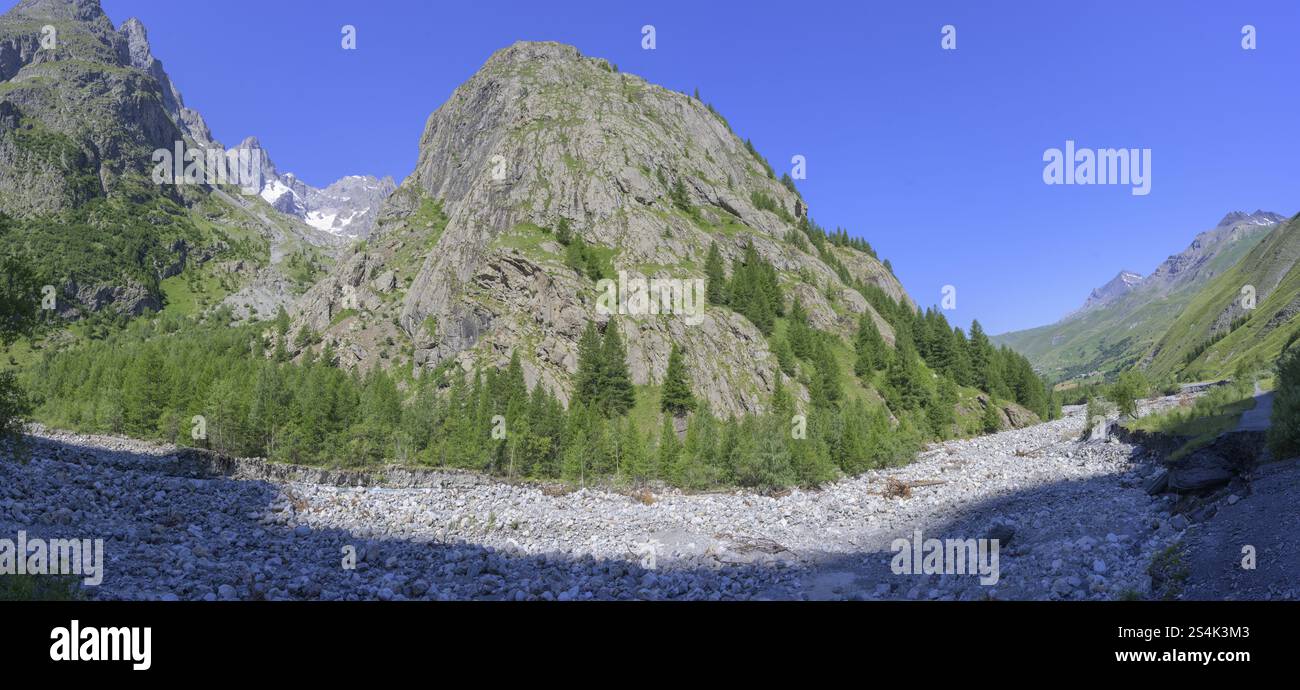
(1122, 334)
(1216, 317)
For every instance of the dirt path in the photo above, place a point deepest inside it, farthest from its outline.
(1265, 524)
(1258, 418)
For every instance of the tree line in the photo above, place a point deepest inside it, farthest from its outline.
(155, 379)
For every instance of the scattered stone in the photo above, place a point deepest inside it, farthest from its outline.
(274, 532)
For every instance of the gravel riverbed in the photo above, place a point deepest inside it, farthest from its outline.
(1071, 516)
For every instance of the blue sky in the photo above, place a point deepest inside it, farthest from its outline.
(933, 156)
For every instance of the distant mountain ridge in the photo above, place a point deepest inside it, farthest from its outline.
(346, 208)
(1234, 226)
(1121, 322)
(85, 109)
(1120, 285)
(1244, 315)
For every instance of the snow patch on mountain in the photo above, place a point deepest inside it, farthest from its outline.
(1185, 266)
(346, 208)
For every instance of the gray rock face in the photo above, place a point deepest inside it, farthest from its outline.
(81, 118)
(1118, 286)
(80, 115)
(190, 121)
(542, 134)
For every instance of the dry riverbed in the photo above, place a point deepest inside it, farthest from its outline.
(1071, 517)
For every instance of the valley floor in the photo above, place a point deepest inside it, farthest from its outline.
(1074, 521)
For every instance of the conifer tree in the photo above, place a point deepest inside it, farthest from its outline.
(826, 387)
(871, 348)
(679, 196)
(906, 387)
(563, 234)
(144, 392)
(799, 334)
(941, 412)
(676, 398)
(782, 401)
(513, 387)
(715, 274)
(282, 335)
(697, 462)
(577, 444)
(982, 356)
(616, 393)
(785, 357)
(668, 450)
(992, 419)
(961, 363)
(754, 290)
(587, 382)
(268, 411)
(941, 357)
(634, 462)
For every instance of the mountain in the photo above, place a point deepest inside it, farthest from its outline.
(345, 208)
(141, 57)
(467, 264)
(87, 115)
(1120, 285)
(1213, 250)
(78, 119)
(1246, 315)
(1121, 322)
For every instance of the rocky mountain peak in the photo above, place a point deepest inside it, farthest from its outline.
(1115, 288)
(1232, 217)
(141, 57)
(60, 10)
(526, 52)
(1259, 217)
(465, 266)
(137, 41)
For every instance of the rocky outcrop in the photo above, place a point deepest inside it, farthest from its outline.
(90, 109)
(141, 57)
(543, 135)
(84, 108)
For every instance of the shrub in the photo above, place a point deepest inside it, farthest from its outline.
(992, 420)
(1284, 434)
(1125, 393)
